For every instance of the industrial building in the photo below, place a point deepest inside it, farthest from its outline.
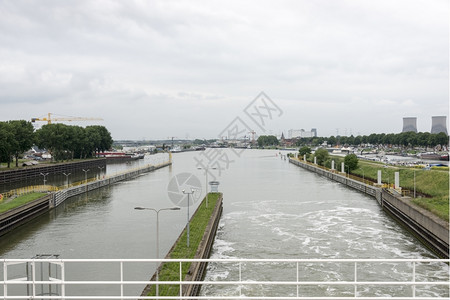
(439, 124)
(409, 124)
(301, 133)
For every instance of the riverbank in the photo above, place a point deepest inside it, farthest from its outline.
(203, 227)
(429, 229)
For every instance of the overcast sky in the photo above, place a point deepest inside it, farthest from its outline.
(158, 69)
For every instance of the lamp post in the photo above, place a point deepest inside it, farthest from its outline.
(206, 182)
(363, 175)
(157, 234)
(44, 177)
(85, 174)
(67, 178)
(364, 181)
(184, 192)
(387, 173)
(101, 168)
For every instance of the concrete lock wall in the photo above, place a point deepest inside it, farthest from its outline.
(20, 215)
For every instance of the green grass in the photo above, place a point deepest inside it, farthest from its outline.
(433, 185)
(6, 205)
(171, 271)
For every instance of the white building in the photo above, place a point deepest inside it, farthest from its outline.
(301, 133)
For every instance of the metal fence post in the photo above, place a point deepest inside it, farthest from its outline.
(356, 279)
(297, 279)
(414, 280)
(240, 278)
(121, 279)
(181, 285)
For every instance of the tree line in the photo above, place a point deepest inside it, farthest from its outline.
(405, 139)
(62, 141)
(267, 140)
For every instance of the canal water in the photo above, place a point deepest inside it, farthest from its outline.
(272, 209)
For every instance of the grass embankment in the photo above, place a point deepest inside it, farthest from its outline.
(171, 271)
(7, 204)
(433, 185)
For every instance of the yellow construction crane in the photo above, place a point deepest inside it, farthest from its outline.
(50, 119)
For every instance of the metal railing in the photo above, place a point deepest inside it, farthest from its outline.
(246, 278)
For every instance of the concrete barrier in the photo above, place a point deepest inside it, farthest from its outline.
(20, 215)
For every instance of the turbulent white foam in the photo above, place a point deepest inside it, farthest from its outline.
(221, 249)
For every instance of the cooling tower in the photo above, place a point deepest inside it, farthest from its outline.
(439, 124)
(409, 124)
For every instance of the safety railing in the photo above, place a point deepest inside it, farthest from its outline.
(244, 278)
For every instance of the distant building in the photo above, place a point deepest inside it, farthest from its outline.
(296, 133)
(439, 124)
(409, 124)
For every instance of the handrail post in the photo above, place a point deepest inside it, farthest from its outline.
(297, 279)
(33, 276)
(121, 279)
(356, 279)
(5, 278)
(181, 285)
(240, 279)
(63, 279)
(414, 280)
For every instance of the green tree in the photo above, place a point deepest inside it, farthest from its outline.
(442, 139)
(351, 161)
(267, 140)
(304, 150)
(6, 143)
(332, 141)
(52, 137)
(23, 132)
(322, 156)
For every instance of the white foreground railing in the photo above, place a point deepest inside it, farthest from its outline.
(247, 278)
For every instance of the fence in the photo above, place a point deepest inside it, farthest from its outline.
(246, 278)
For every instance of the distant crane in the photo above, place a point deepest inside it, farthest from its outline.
(172, 137)
(50, 119)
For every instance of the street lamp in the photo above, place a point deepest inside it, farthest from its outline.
(363, 175)
(157, 234)
(67, 178)
(348, 171)
(44, 177)
(85, 174)
(389, 184)
(184, 192)
(364, 181)
(101, 168)
(206, 182)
